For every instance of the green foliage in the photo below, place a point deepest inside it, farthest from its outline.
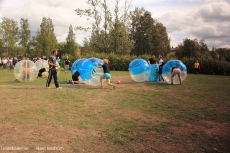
(24, 34)
(46, 37)
(208, 66)
(9, 35)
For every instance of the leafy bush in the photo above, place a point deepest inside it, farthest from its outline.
(121, 63)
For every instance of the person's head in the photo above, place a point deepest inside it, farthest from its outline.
(67, 57)
(160, 57)
(196, 61)
(55, 52)
(105, 61)
(153, 56)
(57, 57)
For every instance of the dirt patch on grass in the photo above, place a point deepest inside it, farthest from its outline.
(202, 127)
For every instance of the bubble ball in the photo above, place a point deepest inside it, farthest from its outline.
(139, 70)
(167, 68)
(43, 64)
(89, 73)
(154, 73)
(25, 71)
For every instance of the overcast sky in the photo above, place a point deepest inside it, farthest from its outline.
(206, 19)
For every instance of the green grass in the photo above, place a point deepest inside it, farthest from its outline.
(136, 117)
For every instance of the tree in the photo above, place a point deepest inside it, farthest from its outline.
(162, 42)
(118, 36)
(103, 30)
(145, 35)
(70, 47)
(24, 34)
(9, 35)
(46, 37)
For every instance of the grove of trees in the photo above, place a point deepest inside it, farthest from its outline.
(116, 32)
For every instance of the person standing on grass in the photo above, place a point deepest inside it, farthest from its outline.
(52, 70)
(161, 63)
(196, 67)
(152, 60)
(4, 63)
(106, 74)
(66, 62)
(175, 70)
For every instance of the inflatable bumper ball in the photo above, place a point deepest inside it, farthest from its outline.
(167, 68)
(25, 71)
(139, 70)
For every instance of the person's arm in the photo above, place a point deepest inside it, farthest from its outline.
(97, 65)
(148, 62)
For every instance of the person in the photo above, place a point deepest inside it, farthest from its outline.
(66, 62)
(175, 70)
(4, 63)
(152, 60)
(161, 63)
(52, 70)
(11, 66)
(58, 60)
(75, 78)
(106, 74)
(40, 73)
(196, 67)
(15, 60)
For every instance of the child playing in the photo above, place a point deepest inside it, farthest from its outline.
(106, 74)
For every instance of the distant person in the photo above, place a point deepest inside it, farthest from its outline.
(53, 70)
(175, 70)
(66, 63)
(4, 63)
(15, 60)
(152, 60)
(196, 67)
(58, 60)
(161, 63)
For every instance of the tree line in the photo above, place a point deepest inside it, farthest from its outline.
(17, 41)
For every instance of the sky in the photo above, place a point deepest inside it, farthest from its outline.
(201, 19)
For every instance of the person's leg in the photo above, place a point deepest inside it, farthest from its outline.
(108, 82)
(65, 68)
(49, 78)
(55, 79)
(179, 77)
(173, 74)
(101, 80)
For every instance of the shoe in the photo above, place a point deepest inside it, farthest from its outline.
(59, 88)
(171, 83)
(72, 82)
(47, 87)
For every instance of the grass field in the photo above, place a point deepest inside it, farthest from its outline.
(134, 118)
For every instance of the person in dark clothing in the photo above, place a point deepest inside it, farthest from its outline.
(52, 70)
(66, 62)
(40, 73)
(152, 60)
(106, 74)
(75, 78)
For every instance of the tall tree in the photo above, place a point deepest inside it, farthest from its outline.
(119, 40)
(145, 35)
(70, 42)
(162, 42)
(24, 34)
(9, 35)
(46, 37)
